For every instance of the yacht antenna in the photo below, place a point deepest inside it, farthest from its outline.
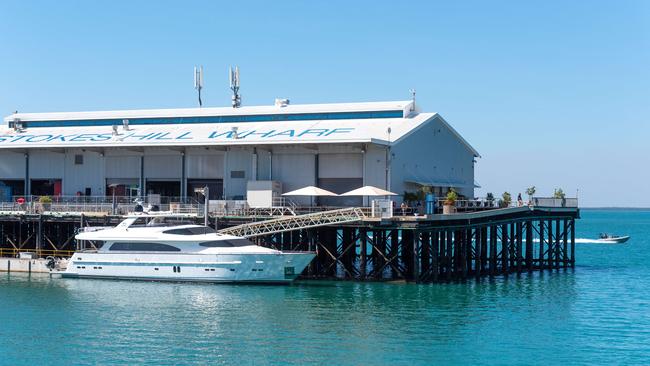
(234, 86)
(198, 82)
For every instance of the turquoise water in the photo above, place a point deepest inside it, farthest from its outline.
(598, 313)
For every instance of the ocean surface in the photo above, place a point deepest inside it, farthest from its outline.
(597, 313)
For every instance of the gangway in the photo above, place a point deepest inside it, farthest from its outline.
(297, 222)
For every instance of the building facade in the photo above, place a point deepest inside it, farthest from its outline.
(171, 152)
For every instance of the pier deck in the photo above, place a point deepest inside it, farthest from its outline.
(433, 248)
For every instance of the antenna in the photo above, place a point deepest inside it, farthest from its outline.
(198, 82)
(413, 99)
(234, 86)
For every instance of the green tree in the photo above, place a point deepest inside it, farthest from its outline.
(506, 200)
(559, 193)
(530, 191)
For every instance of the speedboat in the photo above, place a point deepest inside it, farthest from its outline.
(145, 247)
(608, 238)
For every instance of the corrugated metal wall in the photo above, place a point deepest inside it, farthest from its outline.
(12, 165)
(122, 167)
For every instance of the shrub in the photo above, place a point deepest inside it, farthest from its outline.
(451, 197)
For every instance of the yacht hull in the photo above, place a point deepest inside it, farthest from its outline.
(221, 268)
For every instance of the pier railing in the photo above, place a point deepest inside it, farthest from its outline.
(122, 205)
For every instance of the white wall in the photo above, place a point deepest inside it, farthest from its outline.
(122, 166)
(90, 174)
(348, 165)
(163, 164)
(295, 170)
(429, 154)
(46, 164)
(375, 166)
(238, 159)
(204, 164)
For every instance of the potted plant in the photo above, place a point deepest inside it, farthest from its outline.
(45, 202)
(449, 206)
(559, 194)
(506, 200)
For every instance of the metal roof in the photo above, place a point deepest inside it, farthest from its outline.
(217, 111)
(292, 124)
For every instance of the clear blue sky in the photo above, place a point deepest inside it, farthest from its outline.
(552, 94)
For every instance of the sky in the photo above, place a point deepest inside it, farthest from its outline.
(554, 94)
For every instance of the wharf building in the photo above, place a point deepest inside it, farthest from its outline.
(170, 152)
(234, 151)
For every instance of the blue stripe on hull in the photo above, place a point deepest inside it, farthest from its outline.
(174, 279)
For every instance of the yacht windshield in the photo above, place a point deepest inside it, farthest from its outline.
(160, 221)
(197, 230)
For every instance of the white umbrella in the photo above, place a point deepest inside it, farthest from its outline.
(368, 191)
(310, 191)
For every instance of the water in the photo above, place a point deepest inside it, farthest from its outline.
(598, 313)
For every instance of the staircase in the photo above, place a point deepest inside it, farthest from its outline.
(297, 222)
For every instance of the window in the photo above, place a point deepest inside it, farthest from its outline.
(227, 243)
(199, 230)
(78, 159)
(237, 174)
(144, 247)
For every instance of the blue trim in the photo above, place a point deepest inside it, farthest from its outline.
(217, 119)
(152, 264)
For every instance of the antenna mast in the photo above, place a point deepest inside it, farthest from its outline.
(413, 99)
(198, 82)
(234, 86)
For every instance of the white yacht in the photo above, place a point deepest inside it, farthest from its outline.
(147, 247)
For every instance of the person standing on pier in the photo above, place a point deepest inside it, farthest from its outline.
(520, 202)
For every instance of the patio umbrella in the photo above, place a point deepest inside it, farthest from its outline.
(310, 191)
(368, 191)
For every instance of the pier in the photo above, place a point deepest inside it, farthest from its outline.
(351, 244)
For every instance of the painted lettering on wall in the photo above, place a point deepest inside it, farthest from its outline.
(130, 137)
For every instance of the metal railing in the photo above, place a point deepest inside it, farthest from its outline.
(40, 253)
(122, 205)
(291, 223)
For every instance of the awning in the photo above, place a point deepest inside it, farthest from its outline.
(440, 183)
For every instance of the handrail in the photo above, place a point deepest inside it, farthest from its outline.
(41, 253)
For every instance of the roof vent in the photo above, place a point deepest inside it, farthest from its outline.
(281, 102)
(125, 124)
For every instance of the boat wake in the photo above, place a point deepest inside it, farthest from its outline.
(594, 241)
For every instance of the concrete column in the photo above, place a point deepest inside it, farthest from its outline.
(143, 191)
(183, 176)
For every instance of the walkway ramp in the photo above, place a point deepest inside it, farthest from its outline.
(291, 223)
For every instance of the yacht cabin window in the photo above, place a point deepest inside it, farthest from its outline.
(144, 247)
